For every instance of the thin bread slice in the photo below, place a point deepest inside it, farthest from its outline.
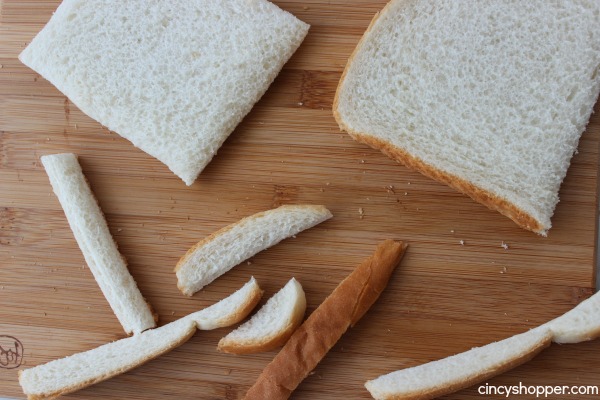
(80, 370)
(226, 248)
(271, 326)
(96, 243)
(343, 308)
(489, 97)
(453, 373)
(172, 77)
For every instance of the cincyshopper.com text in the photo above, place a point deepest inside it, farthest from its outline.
(537, 390)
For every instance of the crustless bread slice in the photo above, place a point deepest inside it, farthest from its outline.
(96, 243)
(489, 97)
(174, 77)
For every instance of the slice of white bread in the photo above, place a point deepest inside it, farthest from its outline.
(453, 373)
(96, 243)
(342, 309)
(80, 370)
(226, 248)
(465, 369)
(271, 326)
(489, 97)
(173, 77)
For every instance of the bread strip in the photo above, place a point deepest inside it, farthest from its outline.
(226, 248)
(80, 370)
(462, 370)
(96, 243)
(319, 333)
(578, 325)
(271, 326)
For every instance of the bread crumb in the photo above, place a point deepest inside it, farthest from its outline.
(327, 183)
(300, 103)
(504, 245)
(172, 312)
(293, 236)
(461, 242)
(1, 66)
(362, 161)
(249, 262)
(361, 212)
(451, 230)
(503, 270)
(119, 229)
(406, 193)
(305, 8)
(390, 189)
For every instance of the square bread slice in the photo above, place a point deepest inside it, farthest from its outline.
(174, 77)
(489, 97)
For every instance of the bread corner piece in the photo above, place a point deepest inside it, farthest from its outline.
(173, 77)
(487, 97)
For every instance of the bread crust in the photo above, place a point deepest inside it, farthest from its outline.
(240, 313)
(323, 328)
(89, 382)
(490, 200)
(456, 386)
(214, 235)
(269, 342)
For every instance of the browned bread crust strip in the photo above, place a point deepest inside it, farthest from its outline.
(319, 333)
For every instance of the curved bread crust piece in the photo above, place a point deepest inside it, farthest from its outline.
(463, 370)
(152, 72)
(437, 378)
(226, 248)
(271, 326)
(533, 212)
(81, 370)
(580, 324)
(318, 334)
(96, 243)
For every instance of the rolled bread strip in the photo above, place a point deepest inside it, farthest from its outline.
(80, 370)
(271, 326)
(96, 243)
(318, 334)
(226, 248)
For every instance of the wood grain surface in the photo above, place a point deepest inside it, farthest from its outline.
(443, 299)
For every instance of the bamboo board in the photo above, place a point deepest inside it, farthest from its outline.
(445, 297)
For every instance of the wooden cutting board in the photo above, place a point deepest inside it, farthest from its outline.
(445, 298)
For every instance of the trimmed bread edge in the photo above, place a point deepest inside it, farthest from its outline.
(465, 383)
(270, 342)
(90, 382)
(490, 200)
(214, 235)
